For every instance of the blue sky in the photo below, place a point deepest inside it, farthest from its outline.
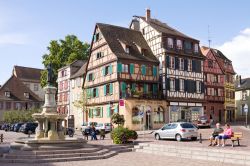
(26, 27)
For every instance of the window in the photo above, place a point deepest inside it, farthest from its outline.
(215, 79)
(108, 89)
(198, 86)
(7, 93)
(196, 48)
(172, 62)
(210, 63)
(181, 85)
(106, 70)
(17, 106)
(124, 68)
(65, 85)
(181, 64)
(127, 49)
(90, 76)
(149, 71)
(135, 115)
(159, 115)
(72, 83)
(170, 43)
(98, 112)
(215, 92)
(36, 88)
(187, 45)
(8, 105)
(172, 84)
(189, 65)
(95, 93)
(99, 55)
(96, 37)
(244, 95)
(143, 31)
(26, 95)
(179, 44)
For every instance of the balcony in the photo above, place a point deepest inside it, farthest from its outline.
(141, 95)
(214, 98)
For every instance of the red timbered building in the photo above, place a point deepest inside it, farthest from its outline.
(214, 86)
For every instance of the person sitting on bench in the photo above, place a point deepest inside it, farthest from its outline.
(226, 135)
(218, 130)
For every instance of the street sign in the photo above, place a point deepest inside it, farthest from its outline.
(246, 108)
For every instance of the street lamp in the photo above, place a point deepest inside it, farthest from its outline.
(246, 111)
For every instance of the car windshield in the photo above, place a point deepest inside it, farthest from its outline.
(99, 124)
(187, 125)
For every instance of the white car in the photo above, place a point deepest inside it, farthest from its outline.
(106, 126)
(86, 125)
(178, 131)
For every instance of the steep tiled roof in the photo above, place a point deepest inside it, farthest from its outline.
(164, 28)
(81, 72)
(17, 90)
(115, 35)
(27, 73)
(245, 84)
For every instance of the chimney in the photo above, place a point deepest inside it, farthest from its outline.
(148, 14)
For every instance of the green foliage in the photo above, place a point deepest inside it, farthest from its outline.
(81, 103)
(19, 115)
(118, 119)
(122, 135)
(61, 53)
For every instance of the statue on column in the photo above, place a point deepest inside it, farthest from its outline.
(49, 74)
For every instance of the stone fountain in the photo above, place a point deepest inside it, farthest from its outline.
(49, 132)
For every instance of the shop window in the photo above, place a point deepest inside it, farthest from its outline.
(159, 115)
(135, 118)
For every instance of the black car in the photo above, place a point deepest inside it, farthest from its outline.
(5, 127)
(29, 127)
(17, 127)
(12, 127)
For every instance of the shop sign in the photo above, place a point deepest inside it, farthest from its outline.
(121, 102)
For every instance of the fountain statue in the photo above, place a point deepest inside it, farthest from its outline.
(49, 131)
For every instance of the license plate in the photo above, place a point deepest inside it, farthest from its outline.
(191, 130)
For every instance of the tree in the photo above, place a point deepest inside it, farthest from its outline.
(81, 103)
(19, 115)
(61, 53)
(118, 119)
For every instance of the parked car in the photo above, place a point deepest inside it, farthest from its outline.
(177, 131)
(203, 121)
(5, 127)
(12, 127)
(17, 127)
(87, 125)
(26, 127)
(106, 126)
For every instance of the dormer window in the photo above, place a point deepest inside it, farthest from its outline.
(196, 48)
(127, 49)
(99, 55)
(26, 95)
(170, 43)
(143, 52)
(7, 93)
(179, 44)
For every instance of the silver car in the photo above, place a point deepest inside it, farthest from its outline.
(178, 131)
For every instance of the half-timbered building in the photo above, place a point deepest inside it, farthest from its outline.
(214, 86)
(122, 76)
(180, 68)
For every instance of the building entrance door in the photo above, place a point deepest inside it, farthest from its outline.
(220, 115)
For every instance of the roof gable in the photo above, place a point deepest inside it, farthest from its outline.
(27, 73)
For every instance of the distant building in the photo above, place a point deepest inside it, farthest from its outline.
(214, 86)
(77, 99)
(242, 97)
(21, 91)
(63, 96)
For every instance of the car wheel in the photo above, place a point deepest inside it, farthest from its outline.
(157, 137)
(178, 137)
(193, 138)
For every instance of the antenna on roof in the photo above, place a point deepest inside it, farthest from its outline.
(208, 35)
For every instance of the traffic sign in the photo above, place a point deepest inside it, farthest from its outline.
(141, 114)
(246, 108)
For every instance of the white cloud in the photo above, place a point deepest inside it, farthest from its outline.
(13, 38)
(238, 50)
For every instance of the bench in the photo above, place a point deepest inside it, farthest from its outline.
(237, 136)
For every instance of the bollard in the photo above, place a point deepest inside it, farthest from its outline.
(1, 138)
(200, 138)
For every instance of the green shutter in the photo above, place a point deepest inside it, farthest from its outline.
(111, 88)
(97, 93)
(110, 69)
(154, 71)
(123, 86)
(93, 76)
(87, 77)
(155, 89)
(104, 90)
(90, 113)
(143, 69)
(94, 38)
(145, 88)
(91, 92)
(133, 86)
(108, 111)
(132, 68)
(116, 109)
(103, 71)
(119, 67)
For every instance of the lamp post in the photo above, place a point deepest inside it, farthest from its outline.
(246, 111)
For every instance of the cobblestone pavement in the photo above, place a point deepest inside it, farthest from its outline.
(132, 159)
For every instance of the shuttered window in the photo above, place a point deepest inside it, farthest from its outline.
(119, 67)
(155, 89)
(104, 90)
(111, 88)
(131, 68)
(154, 71)
(143, 69)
